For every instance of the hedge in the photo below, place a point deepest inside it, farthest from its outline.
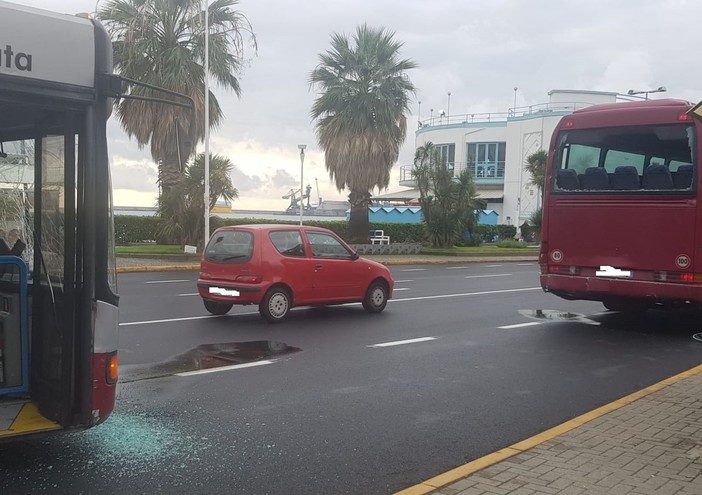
(131, 229)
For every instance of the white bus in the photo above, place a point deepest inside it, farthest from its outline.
(58, 294)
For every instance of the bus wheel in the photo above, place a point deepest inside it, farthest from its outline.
(631, 306)
(275, 306)
(217, 308)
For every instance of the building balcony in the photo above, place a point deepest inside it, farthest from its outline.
(483, 172)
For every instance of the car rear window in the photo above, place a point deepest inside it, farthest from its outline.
(230, 246)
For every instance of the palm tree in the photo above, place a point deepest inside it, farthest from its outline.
(162, 42)
(361, 115)
(448, 202)
(536, 166)
(182, 208)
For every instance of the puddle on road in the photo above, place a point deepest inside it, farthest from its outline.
(556, 315)
(208, 356)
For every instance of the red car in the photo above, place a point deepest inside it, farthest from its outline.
(282, 266)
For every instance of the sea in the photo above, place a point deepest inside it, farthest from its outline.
(254, 214)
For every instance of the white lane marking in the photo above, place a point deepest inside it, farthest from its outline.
(526, 264)
(225, 368)
(418, 298)
(192, 294)
(492, 266)
(493, 275)
(414, 270)
(169, 320)
(456, 267)
(402, 281)
(464, 294)
(398, 289)
(520, 325)
(165, 281)
(403, 342)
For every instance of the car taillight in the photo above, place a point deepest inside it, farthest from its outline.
(248, 279)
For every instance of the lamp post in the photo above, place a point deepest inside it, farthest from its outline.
(633, 92)
(302, 182)
(448, 107)
(419, 114)
(515, 98)
(207, 126)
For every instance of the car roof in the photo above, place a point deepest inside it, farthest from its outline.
(270, 226)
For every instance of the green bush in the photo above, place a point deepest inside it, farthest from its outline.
(130, 229)
(510, 243)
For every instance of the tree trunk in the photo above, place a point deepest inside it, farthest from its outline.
(358, 220)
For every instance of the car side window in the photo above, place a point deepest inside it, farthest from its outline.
(230, 246)
(326, 246)
(288, 242)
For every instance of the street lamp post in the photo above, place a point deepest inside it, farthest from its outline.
(302, 182)
(207, 127)
(632, 92)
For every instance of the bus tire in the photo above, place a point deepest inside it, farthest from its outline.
(217, 308)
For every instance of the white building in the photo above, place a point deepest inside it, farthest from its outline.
(495, 146)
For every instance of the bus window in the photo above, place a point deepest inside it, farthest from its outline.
(633, 160)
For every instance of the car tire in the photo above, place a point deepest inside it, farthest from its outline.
(376, 297)
(276, 304)
(217, 308)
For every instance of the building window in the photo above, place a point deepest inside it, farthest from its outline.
(447, 152)
(486, 160)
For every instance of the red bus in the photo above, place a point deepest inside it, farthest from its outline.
(622, 208)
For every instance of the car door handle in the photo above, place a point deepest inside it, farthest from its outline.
(318, 265)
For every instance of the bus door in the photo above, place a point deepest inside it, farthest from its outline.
(38, 175)
(53, 308)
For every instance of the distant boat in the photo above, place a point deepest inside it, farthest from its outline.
(222, 206)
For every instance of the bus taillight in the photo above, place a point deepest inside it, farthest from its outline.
(111, 370)
(677, 277)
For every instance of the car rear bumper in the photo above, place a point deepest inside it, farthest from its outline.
(230, 293)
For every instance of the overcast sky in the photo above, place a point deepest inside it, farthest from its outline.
(478, 50)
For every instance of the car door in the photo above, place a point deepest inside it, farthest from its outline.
(335, 276)
(292, 265)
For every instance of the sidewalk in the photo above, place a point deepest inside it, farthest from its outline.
(647, 443)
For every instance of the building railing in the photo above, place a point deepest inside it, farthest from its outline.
(487, 117)
(481, 171)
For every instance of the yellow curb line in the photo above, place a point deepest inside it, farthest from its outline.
(472, 467)
(156, 268)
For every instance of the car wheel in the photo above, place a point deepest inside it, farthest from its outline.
(275, 305)
(217, 308)
(376, 298)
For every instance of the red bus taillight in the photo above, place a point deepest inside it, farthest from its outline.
(686, 277)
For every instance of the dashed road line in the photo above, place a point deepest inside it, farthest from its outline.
(403, 342)
(165, 281)
(225, 368)
(520, 325)
(414, 270)
(487, 276)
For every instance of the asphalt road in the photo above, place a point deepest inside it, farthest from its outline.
(464, 361)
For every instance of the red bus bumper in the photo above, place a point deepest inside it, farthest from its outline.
(600, 289)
